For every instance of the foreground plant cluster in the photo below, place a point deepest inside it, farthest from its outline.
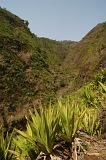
(33, 68)
(51, 132)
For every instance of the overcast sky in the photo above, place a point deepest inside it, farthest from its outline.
(59, 19)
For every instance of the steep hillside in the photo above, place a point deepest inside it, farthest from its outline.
(86, 58)
(36, 69)
(28, 65)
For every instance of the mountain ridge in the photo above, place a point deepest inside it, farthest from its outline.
(27, 67)
(89, 55)
(35, 70)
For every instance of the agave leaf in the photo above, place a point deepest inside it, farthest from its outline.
(70, 117)
(29, 130)
(65, 137)
(25, 135)
(103, 86)
(42, 128)
(90, 123)
(16, 154)
(5, 145)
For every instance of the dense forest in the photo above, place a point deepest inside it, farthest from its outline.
(49, 90)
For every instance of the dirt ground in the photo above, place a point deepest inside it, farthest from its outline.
(96, 149)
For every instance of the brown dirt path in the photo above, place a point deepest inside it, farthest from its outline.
(96, 151)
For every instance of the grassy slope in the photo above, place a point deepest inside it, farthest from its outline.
(33, 69)
(28, 66)
(86, 58)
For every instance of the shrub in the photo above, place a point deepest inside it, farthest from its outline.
(42, 129)
(6, 143)
(90, 124)
(70, 120)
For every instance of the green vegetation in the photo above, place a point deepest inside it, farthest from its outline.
(28, 67)
(90, 124)
(6, 143)
(42, 129)
(24, 149)
(47, 126)
(35, 71)
(70, 120)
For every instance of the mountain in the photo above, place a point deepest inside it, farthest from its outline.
(28, 67)
(36, 70)
(86, 58)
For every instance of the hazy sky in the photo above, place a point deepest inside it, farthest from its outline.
(59, 19)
